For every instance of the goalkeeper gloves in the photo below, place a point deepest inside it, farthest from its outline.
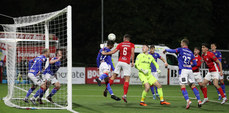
(144, 71)
(158, 71)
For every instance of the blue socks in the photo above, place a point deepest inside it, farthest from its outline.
(156, 90)
(152, 89)
(29, 92)
(103, 76)
(39, 92)
(41, 95)
(185, 93)
(109, 89)
(54, 90)
(196, 92)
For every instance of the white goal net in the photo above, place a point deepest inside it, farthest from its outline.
(23, 41)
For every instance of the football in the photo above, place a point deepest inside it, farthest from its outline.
(111, 37)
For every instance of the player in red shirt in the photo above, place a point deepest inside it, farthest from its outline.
(213, 74)
(221, 78)
(126, 50)
(196, 71)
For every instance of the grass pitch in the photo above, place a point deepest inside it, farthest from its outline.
(89, 99)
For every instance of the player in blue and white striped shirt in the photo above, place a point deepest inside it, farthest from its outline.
(34, 71)
(104, 63)
(185, 57)
(50, 75)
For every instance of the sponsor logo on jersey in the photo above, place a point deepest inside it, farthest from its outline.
(124, 58)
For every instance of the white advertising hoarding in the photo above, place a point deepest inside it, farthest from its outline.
(78, 75)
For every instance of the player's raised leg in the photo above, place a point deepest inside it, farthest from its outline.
(102, 77)
(111, 93)
(105, 91)
(108, 87)
(104, 69)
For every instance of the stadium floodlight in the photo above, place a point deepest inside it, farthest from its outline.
(24, 41)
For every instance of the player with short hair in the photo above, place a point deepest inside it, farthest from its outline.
(196, 71)
(143, 62)
(51, 77)
(104, 63)
(126, 49)
(221, 78)
(35, 70)
(213, 73)
(185, 57)
(153, 68)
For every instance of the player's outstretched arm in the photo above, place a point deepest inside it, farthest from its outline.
(166, 64)
(170, 51)
(109, 53)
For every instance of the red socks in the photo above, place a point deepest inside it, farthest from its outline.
(221, 92)
(125, 87)
(204, 91)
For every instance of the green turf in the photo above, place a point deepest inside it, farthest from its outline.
(89, 99)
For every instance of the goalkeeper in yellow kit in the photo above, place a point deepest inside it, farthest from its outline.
(142, 63)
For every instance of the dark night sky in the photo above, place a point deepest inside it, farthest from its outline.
(149, 21)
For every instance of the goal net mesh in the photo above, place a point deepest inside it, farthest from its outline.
(24, 40)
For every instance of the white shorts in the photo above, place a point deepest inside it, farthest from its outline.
(155, 74)
(104, 67)
(221, 77)
(36, 80)
(212, 76)
(126, 68)
(50, 78)
(186, 76)
(198, 77)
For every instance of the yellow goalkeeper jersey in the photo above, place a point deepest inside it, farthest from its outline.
(143, 61)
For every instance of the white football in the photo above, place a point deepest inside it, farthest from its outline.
(111, 37)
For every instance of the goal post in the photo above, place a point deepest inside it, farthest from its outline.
(23, 41)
